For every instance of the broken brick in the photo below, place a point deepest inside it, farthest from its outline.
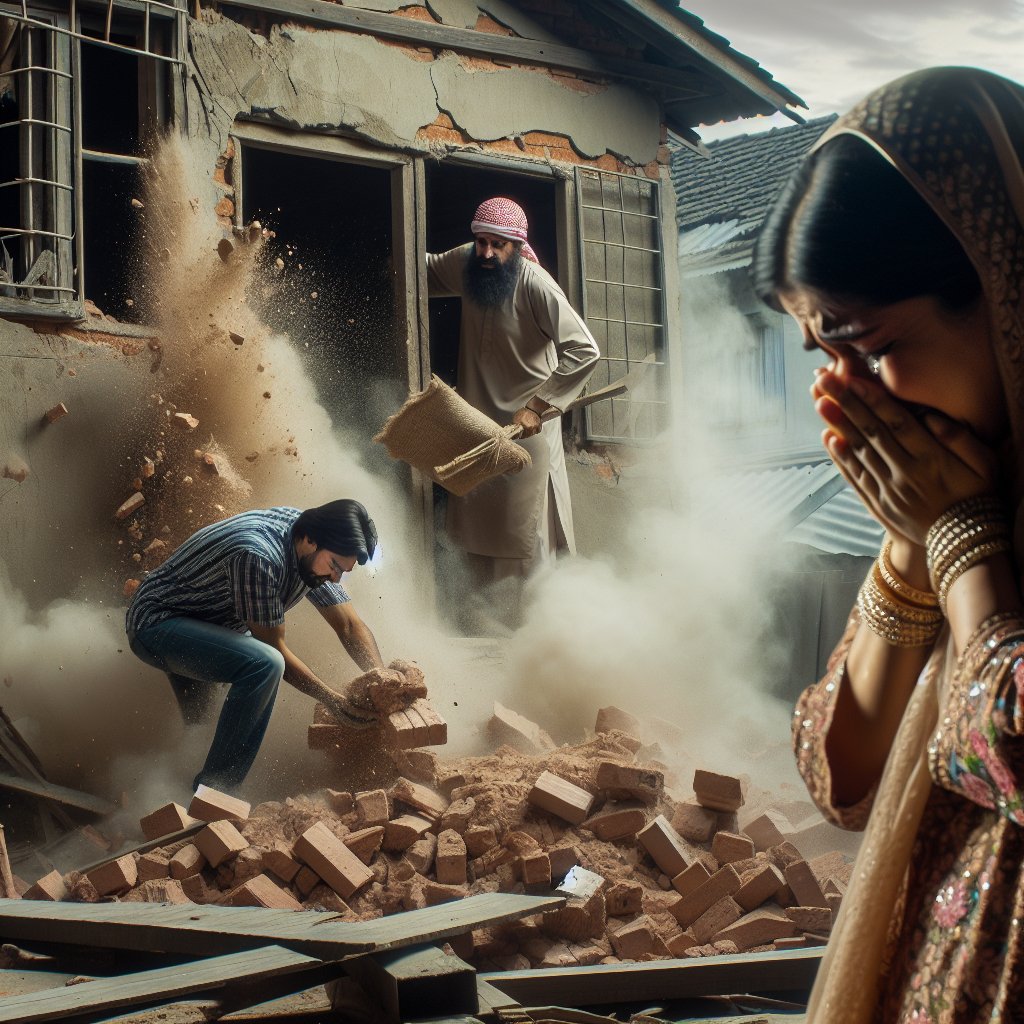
(169, 818)
(762, 885)
(332, 860)
(115, 876)
(401, 832)
(262, 892)
(365, 842)
(694, 823)
(50, 887)
(220, 841)
(561, 798)
(666, 847)
(729, 847)
(450, 859)
(212, 805)
(615, 822)
(717, 792)
(506, 726)
(187, 861)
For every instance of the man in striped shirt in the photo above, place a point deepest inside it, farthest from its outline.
(214, 613)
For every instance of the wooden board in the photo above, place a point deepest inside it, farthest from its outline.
(213, 930)
(661, 979)
(154, 986)
(416, 981)
(149, 844)
(59, 794)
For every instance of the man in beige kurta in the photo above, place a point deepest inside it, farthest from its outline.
(523, 350)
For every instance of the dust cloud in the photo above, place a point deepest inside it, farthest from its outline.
(671, 625)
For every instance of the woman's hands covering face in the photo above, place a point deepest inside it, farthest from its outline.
(906, 471)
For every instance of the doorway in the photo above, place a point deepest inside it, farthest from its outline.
(335, 295)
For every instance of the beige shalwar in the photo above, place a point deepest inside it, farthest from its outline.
(535, 344)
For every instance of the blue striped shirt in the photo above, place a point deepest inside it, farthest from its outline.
(242, 569)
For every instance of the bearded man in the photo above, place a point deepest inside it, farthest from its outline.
(523, 352)
(214, 613)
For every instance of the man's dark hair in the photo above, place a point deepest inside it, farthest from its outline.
(343, 526)
(850, 226)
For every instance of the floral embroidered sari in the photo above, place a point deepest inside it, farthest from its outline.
(930, 928)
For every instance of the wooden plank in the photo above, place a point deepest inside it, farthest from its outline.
(149, 844)
(61, 794)
(484, 44)
(15, 746)
(416, 981)
(214, 930)
(154, 986)
(7, 887)
(449, 919)
(182, 928)
(661, 979)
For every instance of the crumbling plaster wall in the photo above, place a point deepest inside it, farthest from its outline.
(75, 476)
(388, 93)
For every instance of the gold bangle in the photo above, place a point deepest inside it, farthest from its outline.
(895, 621)
(964, 535)
(900, 586)
(968, 560)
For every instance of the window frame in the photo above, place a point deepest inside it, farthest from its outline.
(631, 405)
(65, 25)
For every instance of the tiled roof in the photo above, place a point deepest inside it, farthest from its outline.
(740, 178)
(737, 85)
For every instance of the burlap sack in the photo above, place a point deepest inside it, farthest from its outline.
(442, 435)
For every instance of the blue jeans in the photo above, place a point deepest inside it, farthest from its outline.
(198, 655)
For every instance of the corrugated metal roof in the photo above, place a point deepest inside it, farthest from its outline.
(810, 505)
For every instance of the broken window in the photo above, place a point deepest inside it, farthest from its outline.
(36, 241)
(82, 91)
(623, 299)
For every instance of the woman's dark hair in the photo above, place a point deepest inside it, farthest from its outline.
(849, 225)
(343, 526)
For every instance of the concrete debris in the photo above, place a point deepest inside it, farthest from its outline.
(225, 249)
(593, 820)
(59, 411)
(138, 204)
(238, 339)
(133, 504)
(184, 421)
(130, 586)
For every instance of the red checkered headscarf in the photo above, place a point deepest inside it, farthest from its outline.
(504, 218)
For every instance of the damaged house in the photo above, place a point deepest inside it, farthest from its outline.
(363, 135)
(181, 321)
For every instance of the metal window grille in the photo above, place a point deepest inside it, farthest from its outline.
(623, 298)
(38, 253)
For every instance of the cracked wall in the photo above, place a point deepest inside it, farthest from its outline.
(391, 94)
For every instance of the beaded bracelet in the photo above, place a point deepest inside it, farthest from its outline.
(893, 619)
(964, 535)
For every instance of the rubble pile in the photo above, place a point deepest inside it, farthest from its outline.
(647, 875)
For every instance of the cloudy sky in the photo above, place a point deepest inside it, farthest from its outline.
(832, 52)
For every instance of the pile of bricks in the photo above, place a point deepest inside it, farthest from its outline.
(650, 876)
